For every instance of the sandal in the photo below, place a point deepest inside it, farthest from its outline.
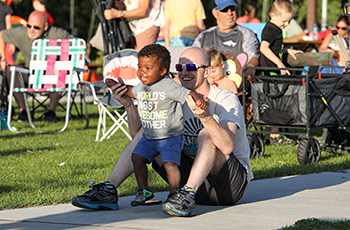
(282, 140)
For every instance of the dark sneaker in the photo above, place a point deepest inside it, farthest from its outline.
(180, 203)
(22, 116)
(100, 196)
(50, 116)
(141, 197)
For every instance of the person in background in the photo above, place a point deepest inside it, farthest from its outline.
(329, 44)
(145, 18)
(294, 30)
(217, 76)
(22, 38)
(229, 37)
(184, 20)
(250, 13)
(40, 5)
(271, 49)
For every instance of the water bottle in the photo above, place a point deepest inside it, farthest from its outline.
(315, 31)
(3, 119)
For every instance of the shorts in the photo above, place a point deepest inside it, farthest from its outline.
(181, 42)
(147, 37)
(169, 149)
(226, 187)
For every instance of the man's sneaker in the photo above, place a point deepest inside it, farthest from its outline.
(142, 196)
(22, 116)
(100, 196)
(180, 203)
(50, 116)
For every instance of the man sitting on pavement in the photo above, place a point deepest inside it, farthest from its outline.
(215, 167)
(22, 38)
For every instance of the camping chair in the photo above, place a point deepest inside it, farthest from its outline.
(119, 64)
(54, 67)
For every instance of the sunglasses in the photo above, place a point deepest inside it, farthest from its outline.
(342, 28)
(189, 67)
(232, 8)
(35, 27)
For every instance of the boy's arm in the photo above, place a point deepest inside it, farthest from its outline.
(110, 82)
(267, 52)
(199, 102)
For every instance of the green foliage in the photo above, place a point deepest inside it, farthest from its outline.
(315, 224)
(30, 172)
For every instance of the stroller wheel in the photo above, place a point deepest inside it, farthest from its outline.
(257, 147)
(308, 153)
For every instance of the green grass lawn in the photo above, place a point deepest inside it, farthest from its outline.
(30, 174)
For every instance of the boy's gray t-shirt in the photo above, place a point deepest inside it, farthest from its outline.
(160, 108)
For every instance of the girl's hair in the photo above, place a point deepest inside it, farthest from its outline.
(216, 58)
(280, 6)
(344, 19)
(252, 10)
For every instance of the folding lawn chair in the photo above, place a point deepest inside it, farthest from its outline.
(54, 67)
(119, 64)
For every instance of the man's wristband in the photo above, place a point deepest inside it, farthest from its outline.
(122, 14)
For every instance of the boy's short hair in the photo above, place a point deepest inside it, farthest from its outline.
(162, 54)
(216, 58)
(43, 2)
(280, 6)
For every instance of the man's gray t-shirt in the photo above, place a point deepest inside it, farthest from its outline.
(160, 108)
(239, 39)
(19, 37)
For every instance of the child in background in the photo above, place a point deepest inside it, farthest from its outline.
(271, 49)
(40, 5)
(160, 101)
(217, 76)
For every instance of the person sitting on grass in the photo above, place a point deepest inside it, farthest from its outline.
(271, 49)
(160, 101)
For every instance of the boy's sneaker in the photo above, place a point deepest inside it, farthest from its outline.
(22, 116)
(180, 203)
(100, 196)
(142, 196)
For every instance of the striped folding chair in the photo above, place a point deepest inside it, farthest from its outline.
(54, 67)
(119, 64)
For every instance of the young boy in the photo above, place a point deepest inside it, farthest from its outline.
(271, 47)
(159, 101)
(217, 76)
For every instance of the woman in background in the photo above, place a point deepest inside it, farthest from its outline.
(250, 13)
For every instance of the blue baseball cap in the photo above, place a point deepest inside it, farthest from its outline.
(222, 4)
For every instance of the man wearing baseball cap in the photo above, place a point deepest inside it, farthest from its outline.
(229, 37)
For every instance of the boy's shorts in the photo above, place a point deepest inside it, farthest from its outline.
(169, 149)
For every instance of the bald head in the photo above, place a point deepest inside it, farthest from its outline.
(196, 55)
(37, 24)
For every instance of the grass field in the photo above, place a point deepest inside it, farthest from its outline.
(30, 174)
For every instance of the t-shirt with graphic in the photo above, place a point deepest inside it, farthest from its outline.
(239, 39)
(223, 106)
(160, 108)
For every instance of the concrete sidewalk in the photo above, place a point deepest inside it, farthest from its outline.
(267, 204)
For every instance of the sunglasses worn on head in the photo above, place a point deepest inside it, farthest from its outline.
(35, 27)
(189, 67)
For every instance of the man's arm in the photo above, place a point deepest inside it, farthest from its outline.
(222, 135)
(2, 52)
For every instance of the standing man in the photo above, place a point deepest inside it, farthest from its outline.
(22, 38)
(229, 37)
